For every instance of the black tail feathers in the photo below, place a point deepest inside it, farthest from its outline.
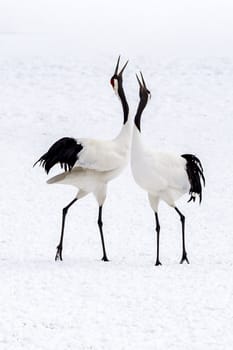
(64, 151)
(195, 174)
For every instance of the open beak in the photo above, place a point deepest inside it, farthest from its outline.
(117, 67)
(142, 84)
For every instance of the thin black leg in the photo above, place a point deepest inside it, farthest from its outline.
(184, 253)
(100, 224)
(60, 245)
(158, 231)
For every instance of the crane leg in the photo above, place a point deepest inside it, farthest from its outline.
(100, 224)
(184, 253)
(60, 245)
(158, 232)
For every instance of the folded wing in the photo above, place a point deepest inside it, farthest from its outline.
(85, 153)
(64, 152)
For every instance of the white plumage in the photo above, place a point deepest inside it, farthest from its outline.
(163, 176)
(105, 155)
(90, 164)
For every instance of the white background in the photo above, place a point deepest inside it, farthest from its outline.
(56, 60)
(163, 26)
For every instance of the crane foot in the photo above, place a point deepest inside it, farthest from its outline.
(184, 258)
(158, 263)
(104, 258)
(59, 253)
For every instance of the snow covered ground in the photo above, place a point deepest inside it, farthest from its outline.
(128, 303)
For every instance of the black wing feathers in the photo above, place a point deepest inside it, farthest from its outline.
(65, 151)
(195, 174)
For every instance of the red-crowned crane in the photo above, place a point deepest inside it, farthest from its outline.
(90, 164)
(163, 176)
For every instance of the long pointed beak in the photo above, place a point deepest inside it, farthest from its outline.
(143, 84)
(123, 68)
(117, 65)
(140, 84)
(143, 80)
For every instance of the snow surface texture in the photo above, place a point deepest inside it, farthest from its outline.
(128, 303)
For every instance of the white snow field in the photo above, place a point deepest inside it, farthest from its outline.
(83, 303)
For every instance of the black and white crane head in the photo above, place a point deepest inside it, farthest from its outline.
(144, 93)
(117, 83)
(116, 79)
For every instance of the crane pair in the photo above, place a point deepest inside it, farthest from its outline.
(89, 164)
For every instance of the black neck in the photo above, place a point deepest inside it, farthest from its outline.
(137, 119)
(124, 103)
